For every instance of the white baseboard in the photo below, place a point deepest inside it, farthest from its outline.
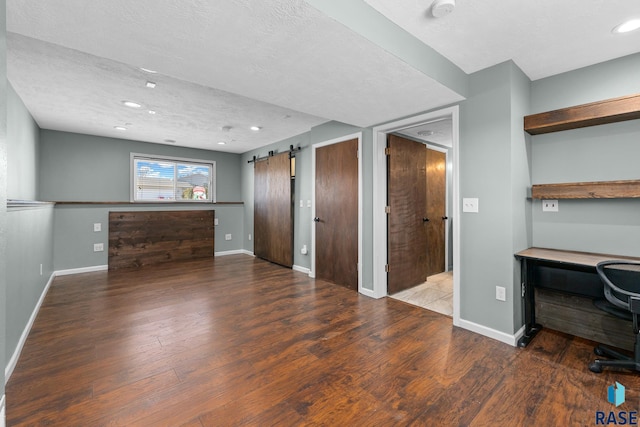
(512, 340)
(11, 365)
(234, 252)
(2, 412)
(304, 270)
(81, 270)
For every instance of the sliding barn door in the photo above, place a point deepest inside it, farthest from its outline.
(273, 210)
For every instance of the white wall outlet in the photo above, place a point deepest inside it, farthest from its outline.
(470, 205)
(227, 237)
(215, 221)
(304, 250)
(98, 247)
(97, 226)
(302, 203)
(549, 206)
(308, 203)
(501, 293)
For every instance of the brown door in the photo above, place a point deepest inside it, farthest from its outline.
(273, 210)
(336, 218)
(407, 219)
(436, 210)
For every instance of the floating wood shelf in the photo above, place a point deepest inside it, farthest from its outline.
(588, 190)
(596, 113)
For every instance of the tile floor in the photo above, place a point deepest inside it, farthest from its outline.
(436, 294)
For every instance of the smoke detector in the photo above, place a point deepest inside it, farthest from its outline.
(441, 8)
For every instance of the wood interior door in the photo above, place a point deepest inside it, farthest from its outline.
(436, 210)
(273, 210)
(336, 218)
(407, 229)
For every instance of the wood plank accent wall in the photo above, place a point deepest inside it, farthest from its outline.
(142, 238)
(587, 190)
(592, 114)
(273, 210)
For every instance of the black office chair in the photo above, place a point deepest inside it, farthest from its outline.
(621, 281)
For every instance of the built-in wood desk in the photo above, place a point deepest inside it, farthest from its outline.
(571, 279)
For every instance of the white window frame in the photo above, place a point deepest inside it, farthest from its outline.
(154, 157)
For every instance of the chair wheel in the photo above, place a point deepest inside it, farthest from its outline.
(598, 351)
(595, 367)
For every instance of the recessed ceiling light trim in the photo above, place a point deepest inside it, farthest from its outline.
(627, 26)
(147, 70)
(222, 143)
(132, 104)
(255, 128)
(120, 128)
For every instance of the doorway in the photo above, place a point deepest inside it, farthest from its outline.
(448, 115)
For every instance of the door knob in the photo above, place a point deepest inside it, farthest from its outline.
(316, 219)
(425, 219)
(444, 218)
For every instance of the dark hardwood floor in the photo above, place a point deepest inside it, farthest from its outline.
(239, 341)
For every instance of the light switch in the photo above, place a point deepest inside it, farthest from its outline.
(308, 203)
(97, 226)
(470, 205)
(302, 203)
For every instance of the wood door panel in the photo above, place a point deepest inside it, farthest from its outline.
(407, 200)
(280, 210)
(260, 208)
(143, 238)
(337, 208)
(273, 210)
(436, 210)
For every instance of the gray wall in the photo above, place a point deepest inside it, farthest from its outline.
(599, 153)
(77, 167)
(29, 236)
(23, 132)
(3, 190)
(494, 169)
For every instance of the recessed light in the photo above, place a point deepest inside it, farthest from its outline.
(222, 143)
(146, 70)
(120, 128)
(151, 112)
(150, 85)
(627, 26)
(132, 104)
(255, 128)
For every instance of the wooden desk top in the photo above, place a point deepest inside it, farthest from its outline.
(570, 257)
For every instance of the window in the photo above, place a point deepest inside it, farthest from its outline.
(171, 179)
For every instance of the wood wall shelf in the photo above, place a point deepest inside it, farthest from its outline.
(596, 113)
(588, 190)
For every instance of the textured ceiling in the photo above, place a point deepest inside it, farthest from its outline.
(282, 53)
(278, 64)
(543, 37)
